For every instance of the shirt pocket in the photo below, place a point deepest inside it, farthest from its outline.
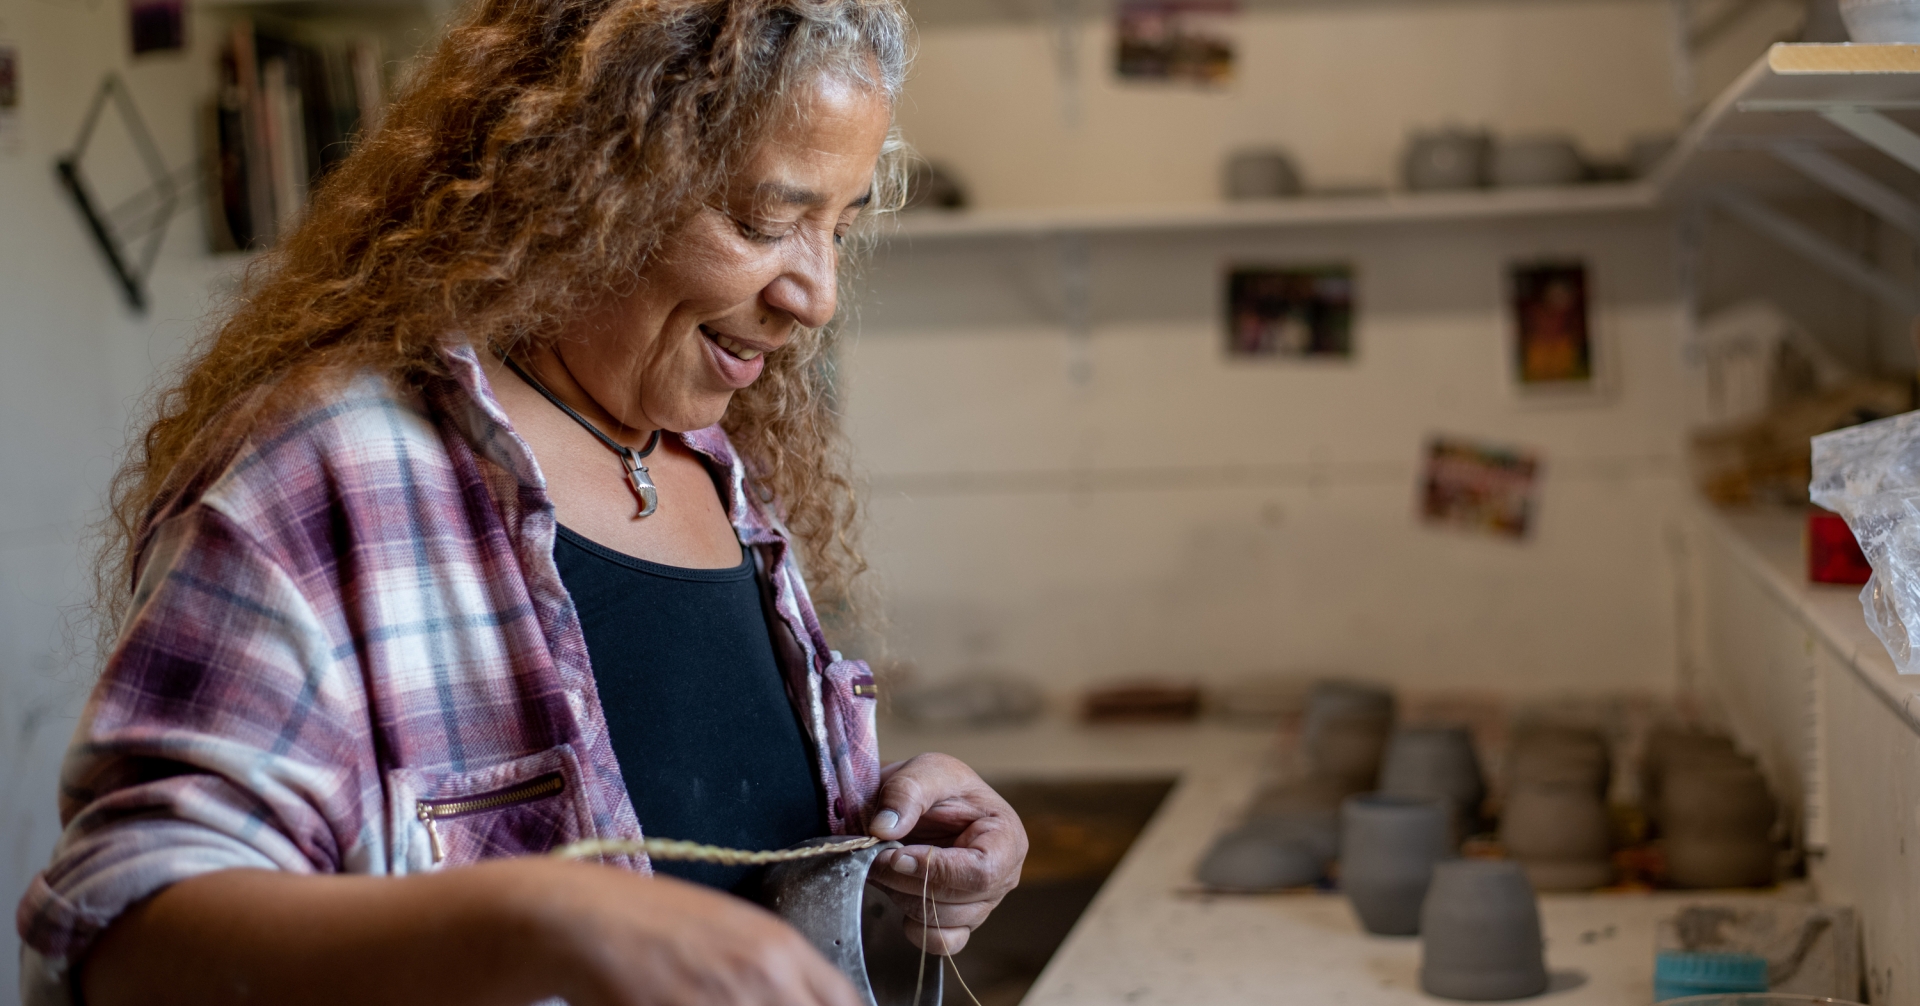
(526, 806)
(851, 697)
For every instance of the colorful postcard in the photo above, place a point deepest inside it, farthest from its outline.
(1553, 336)
(1480, 486)
(1176, 41)
(1290, 312)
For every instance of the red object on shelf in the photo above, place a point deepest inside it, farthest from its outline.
(1833, 556)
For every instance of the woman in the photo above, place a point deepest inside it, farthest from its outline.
(408, 606)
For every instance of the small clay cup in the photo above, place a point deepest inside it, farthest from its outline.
(1481, 935)
(1561, 835)
(1388, 846)
(1437, 762)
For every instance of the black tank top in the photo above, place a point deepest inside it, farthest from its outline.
(708, 742)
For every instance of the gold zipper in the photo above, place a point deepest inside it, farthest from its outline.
(431, 811)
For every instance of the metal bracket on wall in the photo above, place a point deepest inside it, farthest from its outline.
(1852, 184)
(142, 218)
(1817, 248)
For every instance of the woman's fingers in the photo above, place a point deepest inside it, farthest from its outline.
(938, 940)
(965, 914)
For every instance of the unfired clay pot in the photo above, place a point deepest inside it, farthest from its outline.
(1388, 847)
(1253, 860)
(1480, 933)
(1344, 732)
(1559, 755)
(1436, 762)
(1717, 826)
(1560, 834)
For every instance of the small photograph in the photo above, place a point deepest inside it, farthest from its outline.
(1290, 313)
(1553, 342)
(1176, 41)
(158, 25)
(1479, 486)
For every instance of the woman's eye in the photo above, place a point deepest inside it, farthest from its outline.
(755, 234)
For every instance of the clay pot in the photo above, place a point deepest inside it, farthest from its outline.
(1717, 826)
(1882, 21)
(1668, 748)
(1481, 935)
(1536, 160)
(1559, 832)
(1309, 794)
(1446, 159)
(1559, 755)
(1348, 752)
(1344, 734)
(1388, 847)
(1261, 174)
(1253, 860)
(1315, 831)
(1437, 762)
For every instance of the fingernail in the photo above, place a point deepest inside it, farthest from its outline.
(905, 864)
(886, 820)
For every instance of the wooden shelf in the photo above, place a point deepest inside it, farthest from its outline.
(1784, 98)
(1305, 211)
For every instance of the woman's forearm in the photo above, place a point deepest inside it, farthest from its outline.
(255, 936)
(511, 931)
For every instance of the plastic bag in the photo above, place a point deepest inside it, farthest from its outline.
(1870, 476)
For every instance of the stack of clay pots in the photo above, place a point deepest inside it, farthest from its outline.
(1344, 733)
(1713, 810)
(1292, 831)
(1437, 762)
(1555, 821)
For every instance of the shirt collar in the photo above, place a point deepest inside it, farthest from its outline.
(484, 423)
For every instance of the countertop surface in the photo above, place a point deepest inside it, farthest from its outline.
(1148, 938)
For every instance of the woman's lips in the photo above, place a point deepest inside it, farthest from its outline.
(736, 372)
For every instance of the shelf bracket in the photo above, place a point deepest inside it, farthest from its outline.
(1851, 184)
(1816, 248)
(1886, 135)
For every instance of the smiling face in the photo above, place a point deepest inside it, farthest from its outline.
(733, 283)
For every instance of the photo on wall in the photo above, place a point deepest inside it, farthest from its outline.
(9, 98)
(157, 25)
(1176, 41)
(1552, 326)
(1479, 486)
(1291, 312)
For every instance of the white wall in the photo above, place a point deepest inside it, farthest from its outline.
(1183, 515)
(72, 359)
(1339, 84)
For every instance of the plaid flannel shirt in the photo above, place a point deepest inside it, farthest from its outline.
(350, 652)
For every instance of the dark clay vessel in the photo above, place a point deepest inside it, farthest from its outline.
(1388, 848)
(1437, 762)
(1481, 933)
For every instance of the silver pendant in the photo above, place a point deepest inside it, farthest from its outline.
(643, 488)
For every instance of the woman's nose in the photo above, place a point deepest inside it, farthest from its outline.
(808, 285)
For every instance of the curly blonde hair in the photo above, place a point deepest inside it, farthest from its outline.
(536, 160)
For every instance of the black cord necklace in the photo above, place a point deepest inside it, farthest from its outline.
(644, 491)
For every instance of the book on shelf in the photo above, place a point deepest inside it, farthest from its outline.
(287, 111)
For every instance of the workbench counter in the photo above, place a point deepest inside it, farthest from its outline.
(1149, 939)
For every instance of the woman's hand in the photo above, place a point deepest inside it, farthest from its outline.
(634, 941)
(963, 853)
(503, 933)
